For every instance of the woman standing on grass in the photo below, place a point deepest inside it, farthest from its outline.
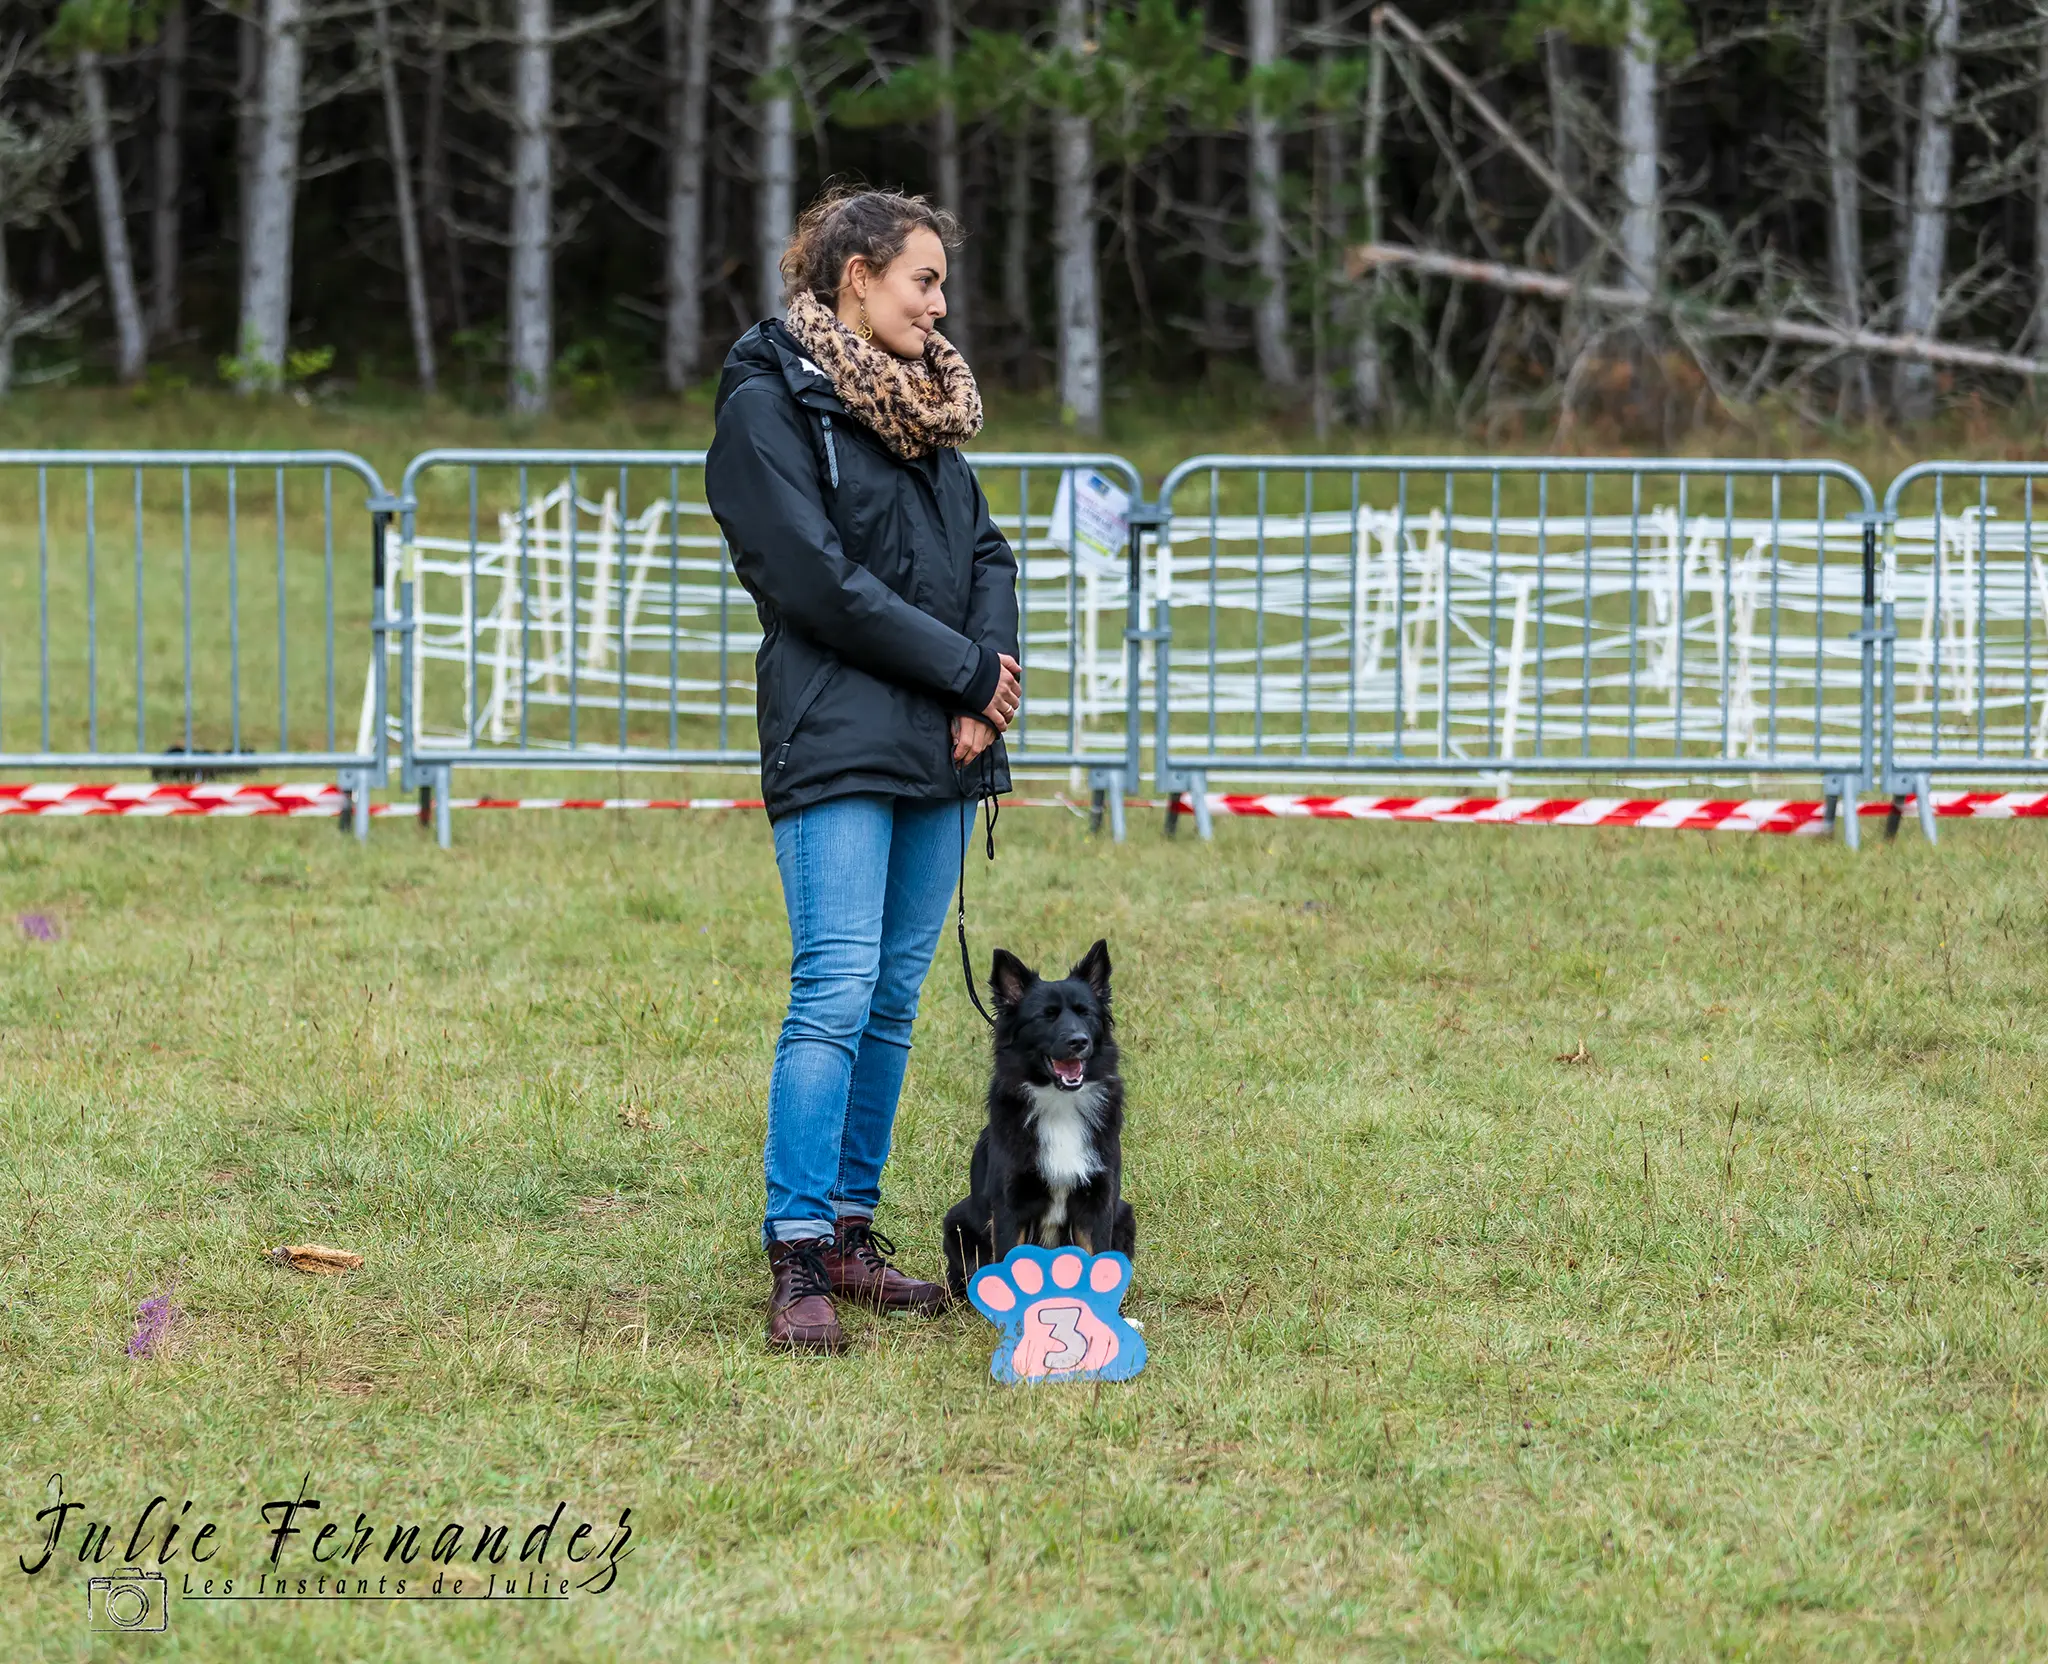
(886, 674)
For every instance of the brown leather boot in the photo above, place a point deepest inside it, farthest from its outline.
(858, 1265)
(800, 1314)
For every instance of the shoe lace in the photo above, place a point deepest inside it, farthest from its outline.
(808, 1275)
(868, 1245)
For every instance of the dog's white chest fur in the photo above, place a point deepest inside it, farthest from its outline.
(1066, 1153)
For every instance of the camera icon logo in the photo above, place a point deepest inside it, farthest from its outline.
(129, 1599)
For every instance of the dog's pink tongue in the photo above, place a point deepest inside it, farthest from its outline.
(1069, 1073)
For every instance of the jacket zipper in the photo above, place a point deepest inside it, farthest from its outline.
(782, 751)
(831, 454)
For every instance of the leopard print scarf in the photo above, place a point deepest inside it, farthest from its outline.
(915, 406)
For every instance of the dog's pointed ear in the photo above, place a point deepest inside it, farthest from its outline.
(1009, 977)
(1093, 969)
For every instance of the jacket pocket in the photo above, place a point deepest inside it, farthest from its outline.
(804, 701)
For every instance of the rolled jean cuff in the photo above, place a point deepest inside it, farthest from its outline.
(798, 1230)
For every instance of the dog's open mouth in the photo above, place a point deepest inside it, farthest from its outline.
(1067, 1072)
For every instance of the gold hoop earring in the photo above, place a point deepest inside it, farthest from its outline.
(866, 331)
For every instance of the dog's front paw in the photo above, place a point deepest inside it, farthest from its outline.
(1059, 1313)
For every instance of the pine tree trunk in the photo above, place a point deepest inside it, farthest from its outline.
(7, 304)
(169, 174)
(1017, 253)
(1368, 380)
(964, 281)
(775, 204)
(1566, 158)
(946, 141)
(531, 300)
(408, 221)
(1073, 241)
(1270, 326)
(1902, 151)
(1926, 245)
(721, 232)
(131, 343)
(2040, 333)
(1209, 196)
(686, 34)
(248, 135)
(1334, 301)
(1845, 196)
(273, 200)
(1635, 82)
(434, 177)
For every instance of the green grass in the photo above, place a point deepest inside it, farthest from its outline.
(1155, 427)
(1726, 1344)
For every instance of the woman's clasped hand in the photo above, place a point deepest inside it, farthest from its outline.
(972, 735)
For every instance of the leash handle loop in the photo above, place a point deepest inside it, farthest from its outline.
(987, 795)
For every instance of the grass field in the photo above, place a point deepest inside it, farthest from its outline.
(1725, 1342)
(1153, 427)
(1552, 1244)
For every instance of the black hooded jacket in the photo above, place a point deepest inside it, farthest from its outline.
(884, 588)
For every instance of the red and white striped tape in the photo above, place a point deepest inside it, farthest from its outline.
(1772, 815)
(1776, 815)
(1769, 815)
(240, 801)
(605, 803)
(313, 799)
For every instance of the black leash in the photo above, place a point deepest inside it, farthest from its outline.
(987, 795)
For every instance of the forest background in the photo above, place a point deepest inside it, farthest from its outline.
(1638, 210)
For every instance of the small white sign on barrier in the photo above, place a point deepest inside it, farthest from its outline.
(1091, 518)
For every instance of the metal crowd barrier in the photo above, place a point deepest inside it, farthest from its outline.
(173, 594)
(1620, 618)
(1272, 618)
(578, 609)
(1965, 621)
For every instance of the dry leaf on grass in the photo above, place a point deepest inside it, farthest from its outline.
(1579, 1056)
(312, 1256)
(635, 1117)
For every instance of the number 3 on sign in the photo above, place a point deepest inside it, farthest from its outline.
(1059, 1313)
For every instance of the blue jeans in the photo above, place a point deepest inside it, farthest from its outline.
(866, 880)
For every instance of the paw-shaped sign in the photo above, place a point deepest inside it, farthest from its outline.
(1058, 1310)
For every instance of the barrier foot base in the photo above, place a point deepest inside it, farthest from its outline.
(436, 791)
(1839, 795)
(1923, 797)
(1107, 799)
(1195, 787)
(355, 804)
(1920, 788)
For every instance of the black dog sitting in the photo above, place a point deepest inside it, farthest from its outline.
(1048, 1167)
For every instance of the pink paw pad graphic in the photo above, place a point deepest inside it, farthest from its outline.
(1059, 1313)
